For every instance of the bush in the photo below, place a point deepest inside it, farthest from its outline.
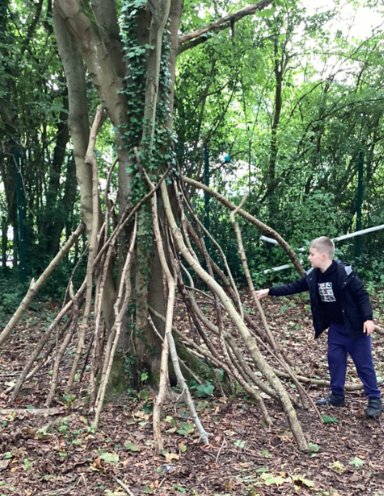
(12, 292)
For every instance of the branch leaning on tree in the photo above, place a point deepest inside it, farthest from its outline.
(200, 36)
(35, 286)
(272, 233)
(90, 161)
(168, 341)
(250, 341)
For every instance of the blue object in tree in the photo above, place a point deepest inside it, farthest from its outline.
(20, 209)
(359, 204)
(206, 197)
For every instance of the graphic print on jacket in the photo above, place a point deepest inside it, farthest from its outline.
(326, 292)
(329, 294)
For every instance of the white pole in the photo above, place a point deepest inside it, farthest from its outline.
(281, 267)
(359, 233)
(269, 240)
(340, 238)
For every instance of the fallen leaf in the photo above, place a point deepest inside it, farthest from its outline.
(110, 457)
(131, 446)
(171, 456)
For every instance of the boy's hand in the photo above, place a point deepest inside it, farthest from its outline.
(261, 293)
(369, 327)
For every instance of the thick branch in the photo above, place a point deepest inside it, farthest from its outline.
(200, 35)
(156, 31)
(107, 20)
(91, 162)
(97, 59)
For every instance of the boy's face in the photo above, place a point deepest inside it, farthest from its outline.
(317, 259)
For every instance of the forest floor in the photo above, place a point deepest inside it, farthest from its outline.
(60, 453)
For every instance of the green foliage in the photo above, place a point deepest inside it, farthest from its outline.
(356, 462)
(12, 292)
(226, 92)
(110, 457)
(131, 446)
(186, 429)
(203, 390)
(34, 113)
(314, 448)
(329, 420)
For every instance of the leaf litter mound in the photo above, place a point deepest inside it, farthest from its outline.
(58, 452)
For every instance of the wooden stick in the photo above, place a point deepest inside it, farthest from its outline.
(42, 342)
(268, 230)
(31, 411)
(124, 486)
(119, 308)
(91, 161)
(35, 286)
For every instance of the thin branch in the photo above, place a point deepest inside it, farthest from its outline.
(271, 232)
(124, 486)
(120, 307)
(43, 341)
(35, 286)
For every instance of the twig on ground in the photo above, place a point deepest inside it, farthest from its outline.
(221, 447)
(122, 485)
(31, 411)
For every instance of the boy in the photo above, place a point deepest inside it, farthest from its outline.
(340, 302)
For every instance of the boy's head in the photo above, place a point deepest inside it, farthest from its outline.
(321, 252)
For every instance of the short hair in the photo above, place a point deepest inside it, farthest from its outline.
(324, 245)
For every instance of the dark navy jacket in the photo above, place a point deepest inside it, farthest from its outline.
(356, 306)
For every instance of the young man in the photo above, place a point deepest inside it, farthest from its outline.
(338, 302)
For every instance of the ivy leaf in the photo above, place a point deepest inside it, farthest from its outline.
(240, 444)
(262, 469)
(329, 420)
(204, 390)
(314, 448)
(185, 429)
(265, 453)
(273, 480)
(131, 446)
(147, 490)
(110, 457)
(356, 462)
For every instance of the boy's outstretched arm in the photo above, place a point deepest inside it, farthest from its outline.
(284, 290)
(261, 293)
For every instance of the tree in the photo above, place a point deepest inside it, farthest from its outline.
(34, 133)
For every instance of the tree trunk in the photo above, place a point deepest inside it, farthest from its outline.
(101, 50)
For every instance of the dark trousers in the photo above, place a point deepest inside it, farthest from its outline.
(360, 350)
